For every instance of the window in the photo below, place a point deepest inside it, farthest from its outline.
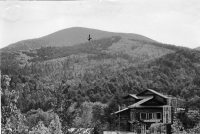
(154, 116)
(158, 115)
(143, 116)
(132, 115)
(150, 116)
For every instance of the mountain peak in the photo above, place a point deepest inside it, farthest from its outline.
(69, 37)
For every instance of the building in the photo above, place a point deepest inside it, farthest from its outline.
(143, 109)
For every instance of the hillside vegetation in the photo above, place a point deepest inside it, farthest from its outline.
(53, 88)
(112, 51)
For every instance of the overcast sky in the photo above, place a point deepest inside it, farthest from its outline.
(168, 21)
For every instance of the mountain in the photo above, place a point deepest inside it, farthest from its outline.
(116, 50)
(198, 48)
(69, 37)
(111, 49)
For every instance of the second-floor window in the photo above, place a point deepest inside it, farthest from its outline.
(158, 115)
(143, 116)
(150, 116)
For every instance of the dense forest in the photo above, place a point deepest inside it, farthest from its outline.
(80, 86)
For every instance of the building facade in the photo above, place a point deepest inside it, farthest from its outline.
(141, 110)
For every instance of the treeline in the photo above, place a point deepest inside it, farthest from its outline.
(91, 47)
(94, 47)
(157, 44)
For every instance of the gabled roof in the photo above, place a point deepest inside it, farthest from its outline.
(144, 97)
(134, 96)
(135, 105)
(131, 95)
(121, 110)
(140, 102)
(155, 92)
(164, 96)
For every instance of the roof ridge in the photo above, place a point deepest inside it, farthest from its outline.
(151, 90)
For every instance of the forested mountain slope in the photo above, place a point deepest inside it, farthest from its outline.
(175, 73)
(102, 72)
(112, 51)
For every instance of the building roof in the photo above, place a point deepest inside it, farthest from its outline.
(121, 110)
(155, 92)
(140, 102)
(152, 106)
(132, 95)
(144, 98)
(164, 96)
